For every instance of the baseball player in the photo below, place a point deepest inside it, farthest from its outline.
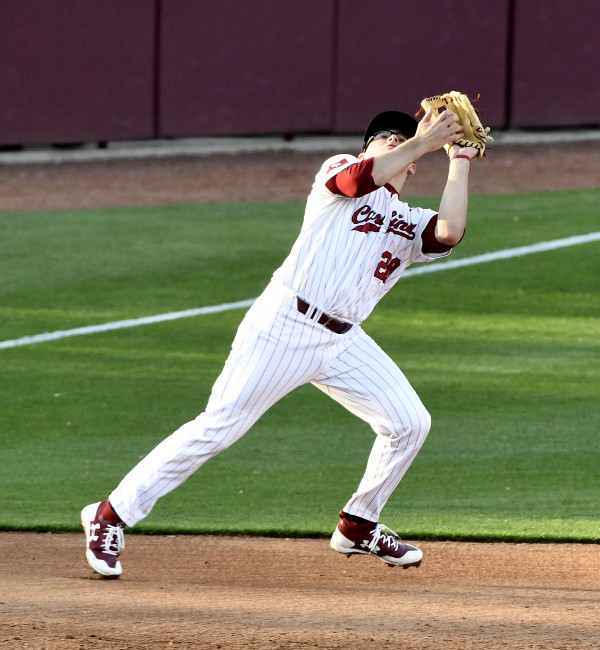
(356, 240)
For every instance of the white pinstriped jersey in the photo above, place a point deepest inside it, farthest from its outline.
(351, 251)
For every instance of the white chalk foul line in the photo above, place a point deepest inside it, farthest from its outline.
(507, 253)
(123, 324)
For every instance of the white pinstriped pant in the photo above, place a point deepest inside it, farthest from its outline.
(277, 349)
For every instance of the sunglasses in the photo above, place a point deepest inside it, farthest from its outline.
(383, 135)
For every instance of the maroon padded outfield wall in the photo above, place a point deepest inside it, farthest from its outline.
(556, 68)
(100, 70)
(76, 70)
(239, 67)
(403, 52)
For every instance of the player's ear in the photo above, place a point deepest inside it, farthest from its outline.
(361, 155)
(412, 169)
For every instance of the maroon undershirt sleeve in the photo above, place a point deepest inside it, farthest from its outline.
(430, 243)
(354, 181)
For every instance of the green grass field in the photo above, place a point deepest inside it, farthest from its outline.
(505, 356)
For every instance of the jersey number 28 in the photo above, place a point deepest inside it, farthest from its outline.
(387, 266)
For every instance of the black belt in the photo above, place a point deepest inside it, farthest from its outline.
(337, 326)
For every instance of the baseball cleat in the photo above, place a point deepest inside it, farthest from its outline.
(374, 539)
(103, 540)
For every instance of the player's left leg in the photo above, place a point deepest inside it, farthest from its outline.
(369, 384)
(366, 381)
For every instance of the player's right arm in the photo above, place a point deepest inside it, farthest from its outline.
(349, 177)
(431, 135)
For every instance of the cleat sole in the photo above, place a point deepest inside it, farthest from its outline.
(404, 566)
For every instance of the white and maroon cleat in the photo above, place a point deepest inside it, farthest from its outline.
(375, 539)
(103, 540)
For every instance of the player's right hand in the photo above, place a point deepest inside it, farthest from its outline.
(435, 133)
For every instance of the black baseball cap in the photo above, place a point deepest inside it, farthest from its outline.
(391, 120)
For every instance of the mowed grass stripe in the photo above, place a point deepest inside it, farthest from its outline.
(242, 304)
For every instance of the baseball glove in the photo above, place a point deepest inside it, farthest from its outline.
(475, 135)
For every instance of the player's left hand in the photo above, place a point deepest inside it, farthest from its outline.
(454, 149)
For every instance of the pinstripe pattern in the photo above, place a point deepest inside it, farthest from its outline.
(333, 267)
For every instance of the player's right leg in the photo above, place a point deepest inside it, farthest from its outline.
(104, 538)
(275, 350)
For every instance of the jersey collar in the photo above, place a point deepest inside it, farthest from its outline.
(391, 189)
